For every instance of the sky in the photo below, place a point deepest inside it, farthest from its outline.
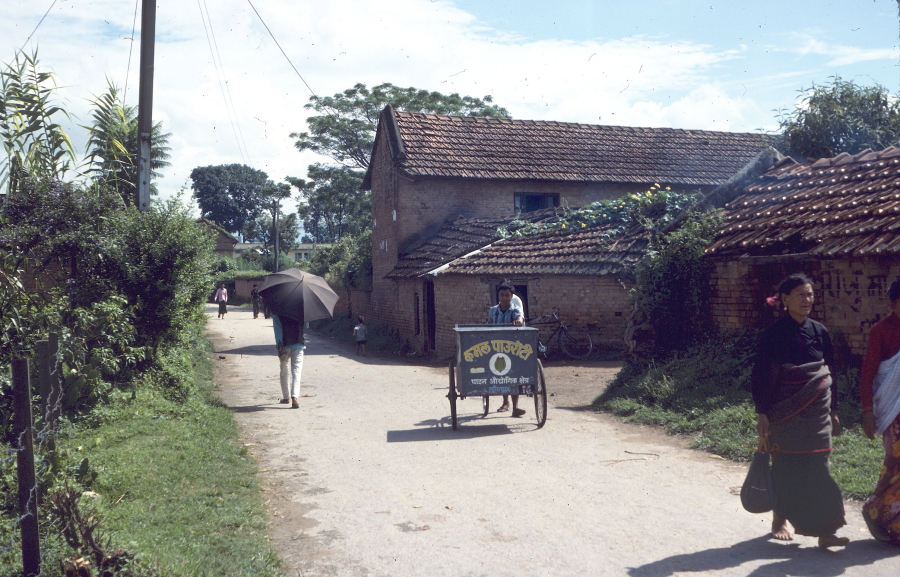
(227, 94)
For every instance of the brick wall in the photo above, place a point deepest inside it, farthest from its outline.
(850, 295)
(598, 303)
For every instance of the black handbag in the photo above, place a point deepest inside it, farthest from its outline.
(757, 493)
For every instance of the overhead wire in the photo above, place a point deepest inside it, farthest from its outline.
(280, 48)
(219, 77)
(227, 88)
(38, 26)
(130, 48)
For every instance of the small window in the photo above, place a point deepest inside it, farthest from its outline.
(525, 202)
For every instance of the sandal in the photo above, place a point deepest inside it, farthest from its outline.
(295, 404)
(503, 408)
(284, 401)
(518, 412)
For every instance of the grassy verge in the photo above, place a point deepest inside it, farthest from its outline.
(171, 483)
(706, 393)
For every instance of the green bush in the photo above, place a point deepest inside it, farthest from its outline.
(671, 284)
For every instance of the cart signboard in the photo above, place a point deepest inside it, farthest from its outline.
(496, 360)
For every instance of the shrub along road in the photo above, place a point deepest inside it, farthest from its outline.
(368, 478)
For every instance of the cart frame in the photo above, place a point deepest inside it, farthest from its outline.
(496, 360)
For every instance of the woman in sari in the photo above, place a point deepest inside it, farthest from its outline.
(879, 390)
(796, 412)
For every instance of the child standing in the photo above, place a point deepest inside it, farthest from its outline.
(359, 331)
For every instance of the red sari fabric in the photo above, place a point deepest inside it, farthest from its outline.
(882, 510)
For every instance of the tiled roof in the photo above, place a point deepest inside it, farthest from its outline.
(582, 252)
(841, 206)
(493, 148)
(468, 246)
(455, 239)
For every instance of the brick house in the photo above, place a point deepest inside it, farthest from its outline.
(835, 219)
(225, 241)
(441, 185)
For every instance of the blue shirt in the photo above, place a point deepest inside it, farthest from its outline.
(279, 334)
(498, 317)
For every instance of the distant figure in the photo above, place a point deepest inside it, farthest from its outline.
(221, 297)
(254, 296)
(290, 344)
(359, 331)
(506, 313)
(796, 405)
(879, 391)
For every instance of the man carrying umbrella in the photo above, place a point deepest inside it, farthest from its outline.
(291, 344)
(295, 298)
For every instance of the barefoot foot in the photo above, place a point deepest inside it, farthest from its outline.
(826, 541)
(780, 529)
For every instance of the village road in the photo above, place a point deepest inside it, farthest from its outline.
(368, 478)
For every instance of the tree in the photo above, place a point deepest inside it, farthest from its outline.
(840, 117)
(345, 128)
(229, 194)
(332, 204)
(261, 229)
(112, 146)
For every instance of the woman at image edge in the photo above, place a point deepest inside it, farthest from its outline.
(879, 391)
(795, 403)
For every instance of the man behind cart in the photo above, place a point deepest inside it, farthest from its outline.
(507, 313)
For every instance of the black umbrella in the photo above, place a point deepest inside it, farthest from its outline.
(299, 295)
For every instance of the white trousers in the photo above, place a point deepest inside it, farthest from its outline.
(291, 367)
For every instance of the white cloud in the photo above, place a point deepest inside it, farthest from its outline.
(645, 81)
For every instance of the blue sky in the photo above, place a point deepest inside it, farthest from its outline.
(682, 64)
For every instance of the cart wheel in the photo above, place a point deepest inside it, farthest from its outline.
(486, 403)
(540, 398)
(452, 394)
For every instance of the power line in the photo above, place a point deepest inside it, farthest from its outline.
(219, 78)
(282, 49)
(227, 88)
(130, 48)
(39, 24)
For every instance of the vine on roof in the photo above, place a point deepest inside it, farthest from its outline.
(654, 209)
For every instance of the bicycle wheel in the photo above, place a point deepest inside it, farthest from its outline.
(452, 394)
(540, 398)
(486, 404)
(575, 342)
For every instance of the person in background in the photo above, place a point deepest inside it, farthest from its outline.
(290, 344)
(255, 298)
(796, 404)
(505, 313)
(359, 332)
(879, 391)
(221, 297)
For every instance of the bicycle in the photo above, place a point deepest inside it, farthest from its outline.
(574, 341)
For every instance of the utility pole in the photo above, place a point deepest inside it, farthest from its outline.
(277, 202)
(145, 104)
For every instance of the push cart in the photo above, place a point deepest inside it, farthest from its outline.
(496, 360)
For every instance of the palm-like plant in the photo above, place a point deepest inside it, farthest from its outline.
(35, 145)
(112, 146)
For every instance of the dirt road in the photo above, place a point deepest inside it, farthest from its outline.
(368, 478)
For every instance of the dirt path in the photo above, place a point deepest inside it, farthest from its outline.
(368, 478)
